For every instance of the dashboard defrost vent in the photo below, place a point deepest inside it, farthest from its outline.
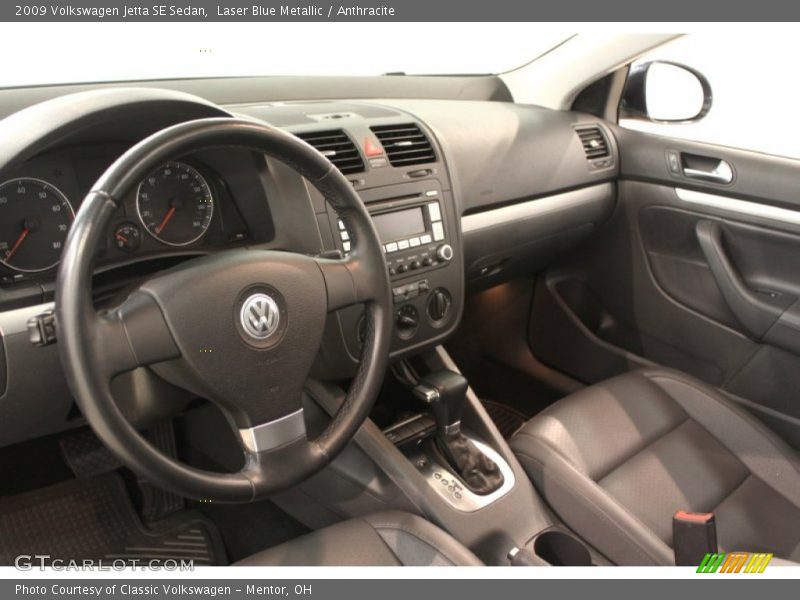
(405, 145)
(594, 141)
(337, 147)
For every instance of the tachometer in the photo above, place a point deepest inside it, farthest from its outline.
(34, 220)
(175, 204)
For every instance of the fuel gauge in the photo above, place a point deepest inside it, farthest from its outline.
(128, 237)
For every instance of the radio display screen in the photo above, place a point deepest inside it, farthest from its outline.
(399, 225)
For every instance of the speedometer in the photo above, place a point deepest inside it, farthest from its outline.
(34, 220)
(175, 204)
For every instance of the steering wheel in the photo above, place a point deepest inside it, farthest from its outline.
(240, 328)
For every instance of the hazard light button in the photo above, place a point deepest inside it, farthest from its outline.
(372, 148)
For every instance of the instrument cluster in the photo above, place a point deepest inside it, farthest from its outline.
(175, 207)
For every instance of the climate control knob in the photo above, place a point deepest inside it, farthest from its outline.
(439, 305)
(444, 252)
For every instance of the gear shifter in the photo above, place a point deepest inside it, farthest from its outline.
(445, 392)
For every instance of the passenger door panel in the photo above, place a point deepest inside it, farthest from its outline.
(689, 273)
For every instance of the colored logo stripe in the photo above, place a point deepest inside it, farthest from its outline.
(758, 563)
(711, 563)
(735, 562)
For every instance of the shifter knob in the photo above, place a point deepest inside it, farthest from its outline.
(445, 392)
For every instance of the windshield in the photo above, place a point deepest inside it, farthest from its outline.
(98, 52)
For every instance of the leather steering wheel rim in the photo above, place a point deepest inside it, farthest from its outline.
(96, 346)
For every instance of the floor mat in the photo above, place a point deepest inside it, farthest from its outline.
(506, 418)
(94, 519)
(86, 455)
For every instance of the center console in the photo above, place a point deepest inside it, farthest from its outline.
(417, 226)
(400, 460)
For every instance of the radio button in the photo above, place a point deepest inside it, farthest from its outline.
(438, 232)
(415, 265)
(402, 245)
(391, 247)
(427, 262)
(402, 268)
(414, 242)
(434, 212)
(425, 239)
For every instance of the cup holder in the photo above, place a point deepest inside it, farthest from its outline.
(562, 550)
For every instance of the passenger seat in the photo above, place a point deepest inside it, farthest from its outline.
(616, 460)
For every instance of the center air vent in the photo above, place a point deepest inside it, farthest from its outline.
(594, 142)
(337, 147)
(405, 145)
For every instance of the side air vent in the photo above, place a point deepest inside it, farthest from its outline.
(405, 145)
(595, 144)
(337, 147)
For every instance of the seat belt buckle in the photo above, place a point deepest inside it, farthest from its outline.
(693, 536)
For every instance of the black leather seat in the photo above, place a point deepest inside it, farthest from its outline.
(390, 538)
(617, 459)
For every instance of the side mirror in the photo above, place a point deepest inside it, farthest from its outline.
(665, 92)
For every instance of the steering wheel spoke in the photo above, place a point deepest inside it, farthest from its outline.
(348, 281)
(134, 334)
(276, 453)
(274, 434)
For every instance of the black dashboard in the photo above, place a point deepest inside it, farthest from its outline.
(464, 194)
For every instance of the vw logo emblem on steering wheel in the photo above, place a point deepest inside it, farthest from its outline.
(260, 316)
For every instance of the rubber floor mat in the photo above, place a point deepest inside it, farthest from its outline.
(86, 455)
(506, 418)
(94, 519)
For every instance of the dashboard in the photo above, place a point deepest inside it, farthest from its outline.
(464, 194)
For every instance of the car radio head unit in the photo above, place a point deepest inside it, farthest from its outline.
(411, 229)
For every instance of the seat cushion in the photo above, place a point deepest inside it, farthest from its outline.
(616, 460)
(390, 538)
